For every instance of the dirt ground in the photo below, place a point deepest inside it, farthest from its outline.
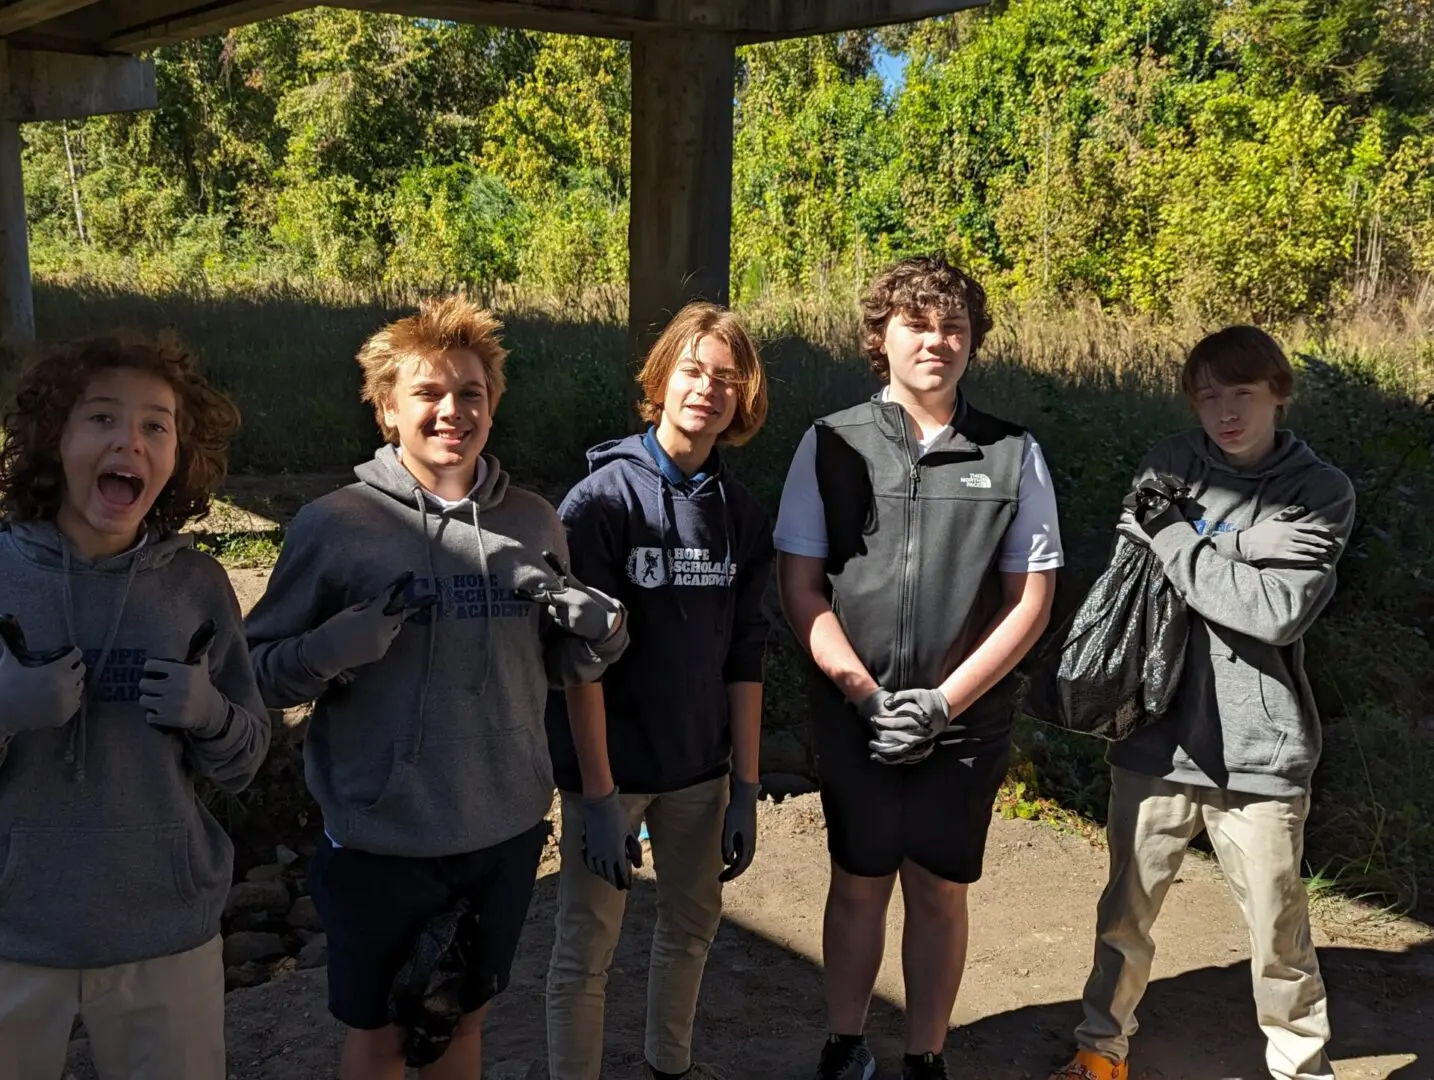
(761, 1012)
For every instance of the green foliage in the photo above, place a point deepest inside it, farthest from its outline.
(1260, 158)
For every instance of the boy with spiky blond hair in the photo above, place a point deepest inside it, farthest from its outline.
(424, 610)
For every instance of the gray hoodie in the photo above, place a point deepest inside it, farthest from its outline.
(1244, 717)
(439, 747)
(109, 857)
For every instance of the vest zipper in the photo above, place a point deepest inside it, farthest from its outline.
(903, 651)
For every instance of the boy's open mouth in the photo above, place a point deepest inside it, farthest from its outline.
(121, 488)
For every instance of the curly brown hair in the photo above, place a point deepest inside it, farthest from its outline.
(916, 287)
(696, 320)
(31, 473)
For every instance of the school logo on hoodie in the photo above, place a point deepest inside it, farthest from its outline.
(647, 568)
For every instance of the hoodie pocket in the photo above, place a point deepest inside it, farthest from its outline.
(100, 895)
(460, 794)
(1254, 735)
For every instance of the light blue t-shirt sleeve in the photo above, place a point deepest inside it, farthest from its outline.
(1033, 542)
(801, 518)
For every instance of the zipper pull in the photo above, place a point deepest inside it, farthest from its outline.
(915, 478)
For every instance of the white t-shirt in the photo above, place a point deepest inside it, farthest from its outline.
(1032, 542)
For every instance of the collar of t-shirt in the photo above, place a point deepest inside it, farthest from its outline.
(957, 419)
(670, 472)
(448, 504)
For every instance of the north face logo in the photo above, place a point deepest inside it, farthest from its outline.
(976, 480)
(646, 568)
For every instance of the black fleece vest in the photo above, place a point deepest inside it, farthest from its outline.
(914, 541)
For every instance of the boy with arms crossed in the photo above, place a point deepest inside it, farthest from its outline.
(671, 733)
(1253, 557)
(919, 548)
(403, 605)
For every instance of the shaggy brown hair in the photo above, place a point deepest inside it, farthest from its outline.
(1237, 356)
(918, 287)
(32, 477)
(697, 320)
(449, 322)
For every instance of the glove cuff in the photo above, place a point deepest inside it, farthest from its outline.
(602, 800)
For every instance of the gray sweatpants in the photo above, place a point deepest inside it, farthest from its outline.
(686, 832)
(1260, 844)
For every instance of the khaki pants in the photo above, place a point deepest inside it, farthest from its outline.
(686, 832)
(157, 1019)
(1260, 843)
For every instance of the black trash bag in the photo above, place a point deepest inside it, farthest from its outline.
(438, 984)
(1121, 654)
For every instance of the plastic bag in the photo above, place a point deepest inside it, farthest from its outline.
(1120, 661)
(438, 984)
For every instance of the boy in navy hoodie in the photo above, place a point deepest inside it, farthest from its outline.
(404, 606)
(123, 679)
(671, 733)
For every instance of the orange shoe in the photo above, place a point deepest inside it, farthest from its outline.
(1088, 1065)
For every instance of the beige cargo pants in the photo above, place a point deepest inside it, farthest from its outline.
(159, 1019)
(1260, 844)
(686, 833)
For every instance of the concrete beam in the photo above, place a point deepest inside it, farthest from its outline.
(680, 226)
(137, 25)
(17, 303)
(19, 14)
(67, 86)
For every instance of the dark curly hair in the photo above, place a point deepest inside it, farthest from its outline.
(31, 473)
(922, 285)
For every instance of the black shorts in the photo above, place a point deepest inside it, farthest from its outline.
(374, 906)
(935, 813)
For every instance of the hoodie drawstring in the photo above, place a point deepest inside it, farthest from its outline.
(433, 616)
(76, 752)
(487, 604)
(666, 519)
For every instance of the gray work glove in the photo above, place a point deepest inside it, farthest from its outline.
(1279, 540)
(739, 830)
(37, 692)
(361, 634)
(579, 609)
(177, 694)
(610, 848)
(907, 729)
(873, 704)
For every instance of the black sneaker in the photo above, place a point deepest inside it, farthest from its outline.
(925, 1067)
(846, 1060)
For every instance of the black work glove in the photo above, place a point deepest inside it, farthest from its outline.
(1157, 502)
(739, 830)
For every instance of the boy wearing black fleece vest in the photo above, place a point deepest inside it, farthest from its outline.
(670, 735)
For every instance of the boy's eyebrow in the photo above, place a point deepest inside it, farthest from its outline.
(434, 384)
(104, 399)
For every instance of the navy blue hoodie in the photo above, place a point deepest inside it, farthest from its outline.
(689, 558)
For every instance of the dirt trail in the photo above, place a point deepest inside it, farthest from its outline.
(761, 1010)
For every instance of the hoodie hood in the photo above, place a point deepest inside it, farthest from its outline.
(386, 472)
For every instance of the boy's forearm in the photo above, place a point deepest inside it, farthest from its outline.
(745, 709)
(231, 760)
(587, 715)
(819, 630)
(1011, 634)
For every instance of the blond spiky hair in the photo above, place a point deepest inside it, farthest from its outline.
(441, 325)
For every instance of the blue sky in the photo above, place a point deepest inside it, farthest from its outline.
(892, 69)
